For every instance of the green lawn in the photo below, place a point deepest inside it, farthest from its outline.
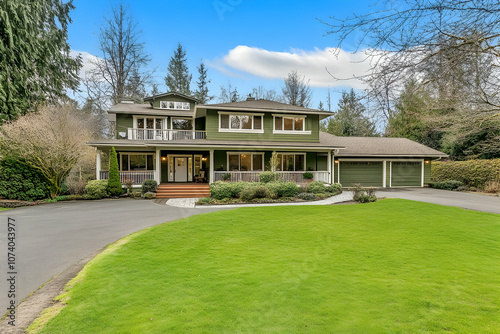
(3, 209)
(392, 266)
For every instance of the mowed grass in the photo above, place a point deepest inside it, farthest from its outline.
(392, 266)
(3, 209)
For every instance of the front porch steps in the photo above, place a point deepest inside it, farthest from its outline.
(183, 190)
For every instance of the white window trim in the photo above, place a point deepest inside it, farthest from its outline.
(164, 122)
(239, 160)
(175, 103)
(136, 153)
(294, 154)
(283, 116)
(188, 118)
(261, 130)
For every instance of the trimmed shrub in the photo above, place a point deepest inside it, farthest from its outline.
(96, 189)
(149, 195)
(149, 186)
(363, 195)
(448, 185)
(248, 194)
(308, 176)
(220, 190)
(473, 173)
(334, 189)
(114, 184)
(284, 189)
(317, 187)
(22, 182)
(306, 196)
(267, 177)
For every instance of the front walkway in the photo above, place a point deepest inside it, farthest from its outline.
(191, 202)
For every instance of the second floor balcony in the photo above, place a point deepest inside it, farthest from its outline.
(164, 134)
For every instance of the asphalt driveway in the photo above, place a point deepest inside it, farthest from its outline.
(52, 237)
(469, 201)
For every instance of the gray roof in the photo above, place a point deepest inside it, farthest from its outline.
(378, 146)
(207, 144)
(365, 147)
(265, 105)
(146, 109)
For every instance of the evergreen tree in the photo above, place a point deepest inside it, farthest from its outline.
(178, 78)
(350, 118)
(203, 81)
(114, 184)
(35, 61)
(320, 106)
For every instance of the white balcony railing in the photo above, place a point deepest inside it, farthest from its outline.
(297, 177)
(137, 177)
(164, 134)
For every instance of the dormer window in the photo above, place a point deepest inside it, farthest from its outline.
(229, 122)
(290, 124)
(175, 105)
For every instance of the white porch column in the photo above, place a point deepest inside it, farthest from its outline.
(212, 172)
(384, 173)
(329, 162)
(390, 174)
(98, 165)
(423, 171)
(158, 167)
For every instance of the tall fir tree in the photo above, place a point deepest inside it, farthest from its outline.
(202, 83)
(350, 118)
(114, 183)
(178, 78)
(35, 61)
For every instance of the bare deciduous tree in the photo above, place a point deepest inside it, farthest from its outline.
(296, 90)
(51, 140)
(121, 70)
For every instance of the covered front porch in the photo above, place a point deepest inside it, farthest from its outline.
(170, 165)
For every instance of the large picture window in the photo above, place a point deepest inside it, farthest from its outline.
(243, 123)
(136, 162)
(291, 162)
(284, 124)
(182, 123)
(245, 161)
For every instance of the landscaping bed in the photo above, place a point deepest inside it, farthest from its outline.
(268, 192)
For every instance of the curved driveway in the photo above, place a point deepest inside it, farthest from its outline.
(52, 237)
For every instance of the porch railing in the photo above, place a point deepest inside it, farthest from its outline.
(297, 177)
(165, 134)
(136, 177)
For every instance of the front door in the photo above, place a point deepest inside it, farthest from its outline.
(181, 169)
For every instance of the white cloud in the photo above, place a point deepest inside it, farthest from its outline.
(87, 59)
(313, 64)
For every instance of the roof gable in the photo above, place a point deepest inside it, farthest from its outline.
(154, 97)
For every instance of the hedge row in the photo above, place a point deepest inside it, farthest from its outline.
(473, 173)
(248, 190)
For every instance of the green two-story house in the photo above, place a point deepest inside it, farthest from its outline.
(174, 139)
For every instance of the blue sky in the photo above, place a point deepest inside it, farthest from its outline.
(250, 43)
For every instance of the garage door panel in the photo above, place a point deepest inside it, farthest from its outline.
(406, 174)
(368, 174)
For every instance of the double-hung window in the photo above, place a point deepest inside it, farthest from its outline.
(245, 161)
(290, 124)
(229, 122)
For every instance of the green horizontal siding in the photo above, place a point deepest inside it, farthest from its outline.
(212, 128)
(368, 174)
(123, 122)
(406, 174)
(427, 173)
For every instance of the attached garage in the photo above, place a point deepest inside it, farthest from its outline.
(406, 174)
(366, 173)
